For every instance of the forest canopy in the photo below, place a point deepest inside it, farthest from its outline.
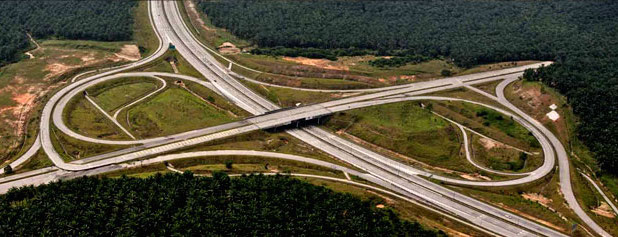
(185, 205)
(105, 20)
(580, 36)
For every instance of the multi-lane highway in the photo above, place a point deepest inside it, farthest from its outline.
(377, 168)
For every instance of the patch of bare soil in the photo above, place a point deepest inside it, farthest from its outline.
(320, 63)
(604, 210)
(25, 100)
(535, 197)
(87, 58)
(129, 52)
(454, 233)
(56, 69)
(489, 144)
(536, 103)
(195, 15)
(474, 177)
(388, 200)
(228, 48)
(343, 95)
(544, 222)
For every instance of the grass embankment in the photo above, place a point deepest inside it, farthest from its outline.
(404, 128)
(498, 127)
(289, 97)
(173, 111)
(239, 165)
(38, 161)
(71, 149)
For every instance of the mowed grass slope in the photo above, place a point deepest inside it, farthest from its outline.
(405, 128)
(172, 111)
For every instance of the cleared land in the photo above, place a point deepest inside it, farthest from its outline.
(26, 84)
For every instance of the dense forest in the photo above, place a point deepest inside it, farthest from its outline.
(185, 205)
(580, 36)
(68, 19)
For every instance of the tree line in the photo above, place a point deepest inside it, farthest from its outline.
(580, 36)
(105, 20)
(185, 205)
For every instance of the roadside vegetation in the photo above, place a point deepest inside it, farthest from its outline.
(498, 156)
(143, 33)
(309, 208)
(26, 85)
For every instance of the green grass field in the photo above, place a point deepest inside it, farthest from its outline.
(172, 111)
(82, 117)
(216, 99)
(407, 129)
(113, 98)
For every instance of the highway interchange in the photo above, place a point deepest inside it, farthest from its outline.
(409, 182)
